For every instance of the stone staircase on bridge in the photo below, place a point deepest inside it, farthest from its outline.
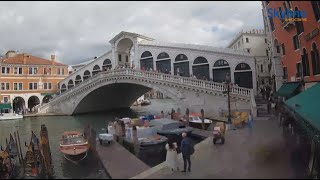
(262, 110)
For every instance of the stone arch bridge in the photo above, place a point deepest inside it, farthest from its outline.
(120, 88)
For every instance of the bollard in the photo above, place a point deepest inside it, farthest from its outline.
(187, 116)
(202, 119)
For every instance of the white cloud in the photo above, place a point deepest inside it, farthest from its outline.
(78, 31)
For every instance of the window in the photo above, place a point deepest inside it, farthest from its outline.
(285, 73)
(247, 40)
(299, 24)
(267, 52)
(15, 86)
(316, 9)
(315, 59)
(30, 70)
(262, 81)
(8, 70)
(265, 41)
(261, 67)
(5, 70)
(8, 86)
(296, 42)
(5, 86)
(62, 71)
(20, 71)
(119, 57)
(35, 70)
(33, 86)
(127, 59)
(15, 70)
(47, 86)
(283, 49)
(271, 24)
(278, 48)
(248, 50)
(20, 86)
(5, 99)
(46, 70)
(305, 63)
(298, 66)
(58, 71)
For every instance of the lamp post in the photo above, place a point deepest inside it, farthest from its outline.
(228, 83)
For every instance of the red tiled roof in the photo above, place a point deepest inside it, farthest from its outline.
(30, 60)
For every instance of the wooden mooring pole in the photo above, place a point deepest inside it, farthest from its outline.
(21, 152)
(18, 145)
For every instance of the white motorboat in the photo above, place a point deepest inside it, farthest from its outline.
(10, 116)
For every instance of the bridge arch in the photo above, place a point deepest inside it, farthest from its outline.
(163, 63)
(219, 71)
(106, 64)
(243, 75)
(86, 75)
(78, 79)
(96, 69)
(70, 84)
(181, 65)
(63, 88)
(32, 102)
(200, 68)
(146, 61)
(95, 98)
(18, 104)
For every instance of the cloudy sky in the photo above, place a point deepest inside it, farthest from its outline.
(78, 31)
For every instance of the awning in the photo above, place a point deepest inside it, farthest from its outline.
(306, 105)
(5, 106)
(287, 90)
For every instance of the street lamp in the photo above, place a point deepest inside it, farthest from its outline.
(228, 84)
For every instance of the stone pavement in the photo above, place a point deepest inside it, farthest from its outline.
(262, 154)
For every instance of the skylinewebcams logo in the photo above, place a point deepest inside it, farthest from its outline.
(287, 14)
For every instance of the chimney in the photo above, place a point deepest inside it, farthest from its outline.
(24, 58)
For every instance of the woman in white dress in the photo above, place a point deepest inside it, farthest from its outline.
(172, 155)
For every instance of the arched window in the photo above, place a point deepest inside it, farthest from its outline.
(299, 24)
(96, 70)
(261, 66)
(163, 55)
(63, 88)
(315, 59)
(305, 63)
(220, 70)
(78, 79)
(181, 57)
(70, 84)
(146, 54)
(243, 75)
(181, 66)
(86, 75)
(106, 64)
(146, 61)
(277, 46)
(163, 63)
(200, 68)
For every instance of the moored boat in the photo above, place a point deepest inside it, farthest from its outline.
(74, 146)
(196, 122)
(6, 112)
(145, 102)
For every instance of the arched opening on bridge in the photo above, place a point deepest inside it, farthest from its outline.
(243, 75)
(63, 88)
(146, 61)
(200, 68)
(70, 84)
(96, 70)
(163, 63)
(78, 79)
(19, 105)
(86, 75)
(181, 66)
(220, 70)
(46, 99)
(124, 48)
(106, 65)
(32, 102)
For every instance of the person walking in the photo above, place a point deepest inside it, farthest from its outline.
(172, 155)
(250, 123)
(187, 151)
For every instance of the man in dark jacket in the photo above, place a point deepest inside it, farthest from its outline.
(186, 149)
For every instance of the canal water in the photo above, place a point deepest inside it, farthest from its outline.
(56, 125)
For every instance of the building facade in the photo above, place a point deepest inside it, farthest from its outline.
(27, 80)
(294, 44)
(256, 44)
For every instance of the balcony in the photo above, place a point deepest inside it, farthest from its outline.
(287, 24)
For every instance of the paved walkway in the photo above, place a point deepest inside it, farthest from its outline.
(262, 154)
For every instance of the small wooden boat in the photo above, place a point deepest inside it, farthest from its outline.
(7, 164)
(33, 159)
(196, 122)
(10, 116)
(74, 146)
(145, 102)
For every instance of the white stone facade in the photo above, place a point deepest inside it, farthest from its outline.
(130, 46)
(255, 42)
